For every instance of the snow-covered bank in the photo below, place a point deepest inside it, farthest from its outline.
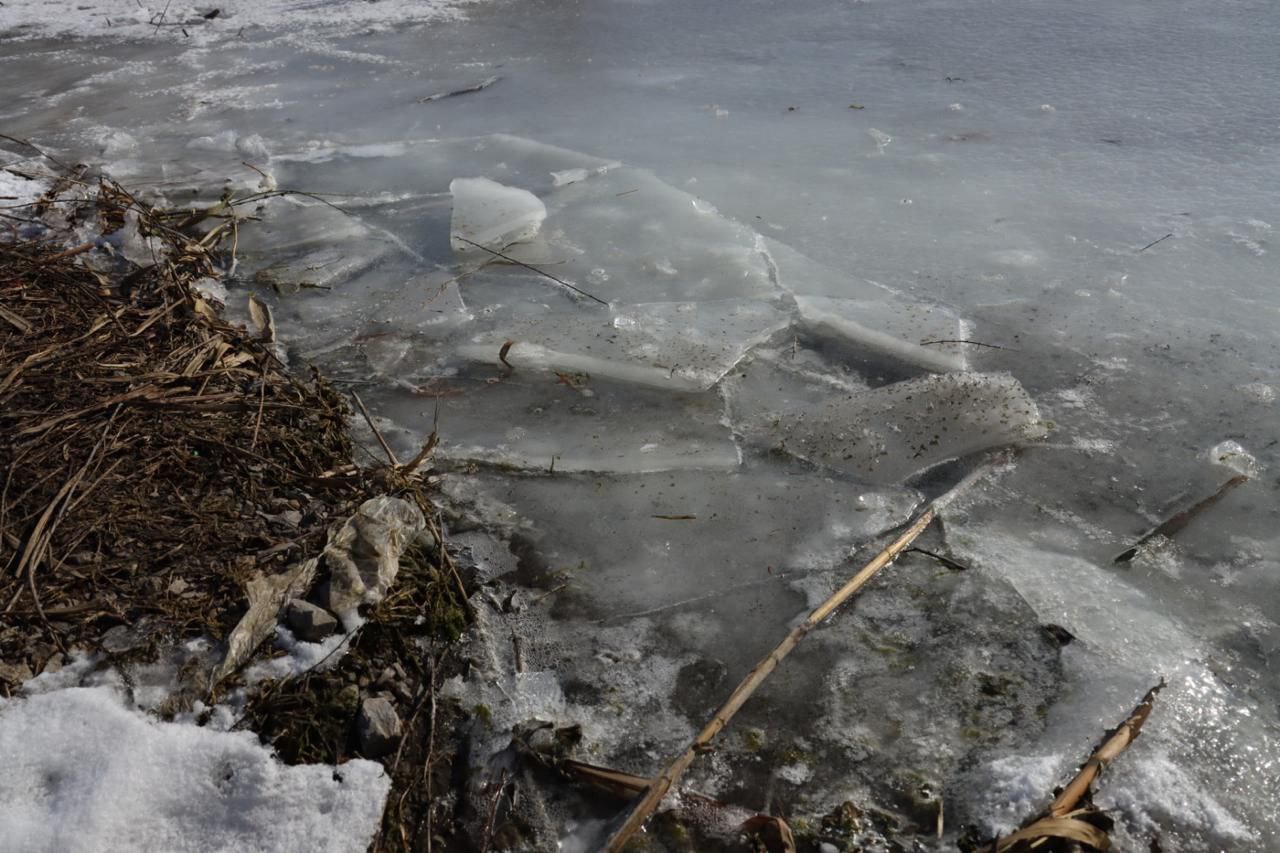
(84, 772)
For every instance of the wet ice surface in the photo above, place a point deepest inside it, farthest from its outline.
(778, 282)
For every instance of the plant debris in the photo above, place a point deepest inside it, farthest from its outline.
(163, 470)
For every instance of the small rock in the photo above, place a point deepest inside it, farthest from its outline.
(291, 517)
(378, 727)
(178, 586)
(55, 662)
(310, 623)
(121, 639)
(15, 673)
(348, 698)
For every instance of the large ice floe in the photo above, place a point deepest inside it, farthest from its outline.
(672, 436)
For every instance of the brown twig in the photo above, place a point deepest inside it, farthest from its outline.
(664, 781)
(386, 448)
(1176, 522)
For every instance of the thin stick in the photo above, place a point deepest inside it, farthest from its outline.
(1174, 523)
(440, 96)
(493, 812)
(542, 273)
(431, 749)
(1152, 243)
(262, 400)
(961, 341)
(664, 781)
(69, 253)
(377, 433)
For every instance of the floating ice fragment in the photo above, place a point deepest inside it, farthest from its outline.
(568, 176)
(18, 189)
(679, 346)
(1231, 455)
(1258, 392)
(881, 138)
(492, 214)
(681, 536)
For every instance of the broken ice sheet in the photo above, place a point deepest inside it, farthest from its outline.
(1222, 738)
(677, 345)
(909, 685)
(306, 243)
(408, 181)
(635, 543)
(688, 289)
(571, 421)
(887, 434)
(865, 315)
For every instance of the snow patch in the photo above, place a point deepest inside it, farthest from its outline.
(83, 772)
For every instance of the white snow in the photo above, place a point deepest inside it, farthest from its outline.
(83, 773)
(17, 190)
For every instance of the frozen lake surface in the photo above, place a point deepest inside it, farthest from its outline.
(769, 239)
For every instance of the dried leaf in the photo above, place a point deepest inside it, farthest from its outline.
(260, 314)
(1069, 828)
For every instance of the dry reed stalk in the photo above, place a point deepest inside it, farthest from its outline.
(1063, 817)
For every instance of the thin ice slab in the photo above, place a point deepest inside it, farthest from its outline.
(888, 434)
(571, 421)
(647, 543)
(867, 316)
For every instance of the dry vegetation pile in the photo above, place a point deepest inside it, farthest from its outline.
(156, 458)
